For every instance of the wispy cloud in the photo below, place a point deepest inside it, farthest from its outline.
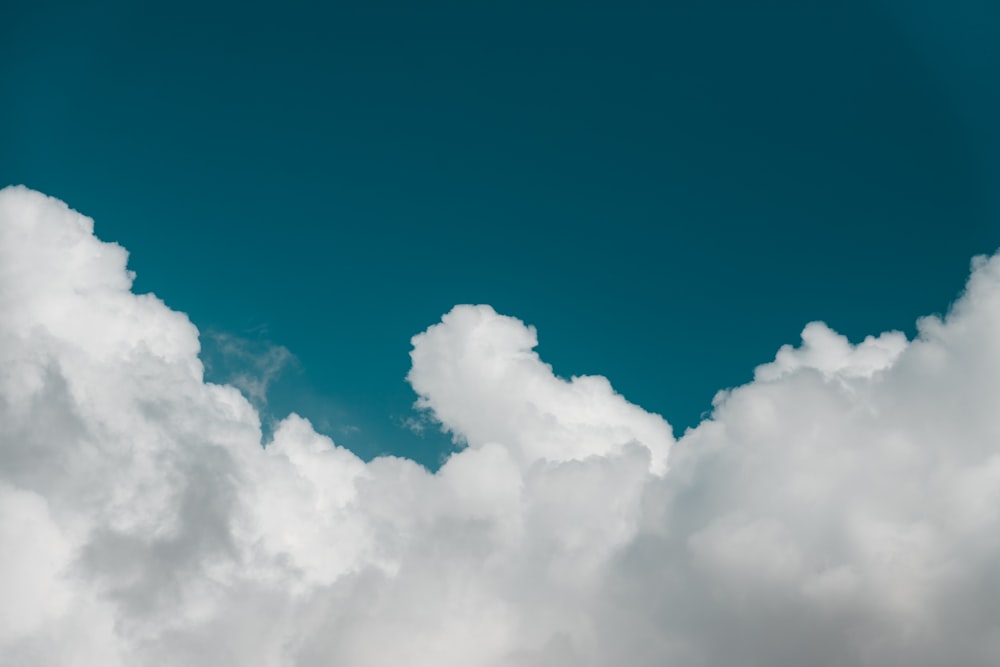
(249, 364)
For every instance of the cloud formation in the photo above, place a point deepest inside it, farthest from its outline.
(251, 365)
(841, 509)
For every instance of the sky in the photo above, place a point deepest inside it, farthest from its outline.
(641, 182)
(508, 335)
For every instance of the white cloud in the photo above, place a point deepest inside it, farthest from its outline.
(842, 509)
(478, 373)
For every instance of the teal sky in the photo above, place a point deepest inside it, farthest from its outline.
(668, 191)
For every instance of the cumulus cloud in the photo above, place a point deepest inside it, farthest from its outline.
(841, 509)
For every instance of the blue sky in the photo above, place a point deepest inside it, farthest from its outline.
(668, 193)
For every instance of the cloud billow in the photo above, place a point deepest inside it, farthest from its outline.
(841, 509)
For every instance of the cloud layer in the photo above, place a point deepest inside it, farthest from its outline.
(841, 509)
